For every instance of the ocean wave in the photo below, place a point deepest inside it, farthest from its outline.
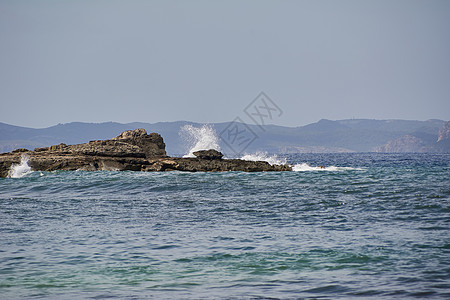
(21, 169)
(264, 156)
(304, 167)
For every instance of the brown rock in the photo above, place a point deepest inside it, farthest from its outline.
(20, 150)
(151, 144)
(208, 154)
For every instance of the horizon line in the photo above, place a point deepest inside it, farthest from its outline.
(203, 123)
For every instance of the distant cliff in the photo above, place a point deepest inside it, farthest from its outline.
(420, 143)
(443, 141)
(444, 132)
(406, 143)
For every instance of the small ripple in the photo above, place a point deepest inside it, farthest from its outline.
(328, 289)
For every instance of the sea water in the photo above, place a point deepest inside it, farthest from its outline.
(368, 226)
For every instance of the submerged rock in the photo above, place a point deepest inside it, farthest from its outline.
(132, 150)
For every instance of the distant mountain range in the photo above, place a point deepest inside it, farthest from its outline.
(353, 135)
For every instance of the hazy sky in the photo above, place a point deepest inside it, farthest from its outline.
(205, 61)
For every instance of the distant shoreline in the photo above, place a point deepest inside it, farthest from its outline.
(324, 136)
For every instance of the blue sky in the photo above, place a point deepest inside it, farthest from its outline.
(205, 61)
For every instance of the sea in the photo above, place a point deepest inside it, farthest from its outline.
(341, 226)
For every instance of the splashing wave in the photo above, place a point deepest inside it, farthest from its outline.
(21, 169)
(200, 138)
(304, 167)
(263, 156)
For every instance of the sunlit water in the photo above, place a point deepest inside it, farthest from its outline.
(372, 226)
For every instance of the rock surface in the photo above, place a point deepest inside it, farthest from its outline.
(132, 150)
(208, 154)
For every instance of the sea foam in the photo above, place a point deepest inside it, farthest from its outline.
(199, 138)
(21, 169)
(263, 156)
(304, 167)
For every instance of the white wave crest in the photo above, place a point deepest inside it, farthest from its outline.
(20, 170)
(263, 156)
(304, 167)
(199, 138)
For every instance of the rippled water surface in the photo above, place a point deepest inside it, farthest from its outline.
(368, 226)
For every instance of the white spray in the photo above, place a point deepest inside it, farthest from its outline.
(20, 170)
(263, 156)
(199, 138)
(304, 167)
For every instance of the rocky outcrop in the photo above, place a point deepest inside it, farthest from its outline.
(131, 143)
(151, 144)
(133, 150)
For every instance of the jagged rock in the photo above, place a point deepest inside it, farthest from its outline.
(152, 144)
(133, 150)
(131, 143)
(20, 150)
(106, 148)
(208, 154)
(131, 134)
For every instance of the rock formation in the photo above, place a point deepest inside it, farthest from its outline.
(132, 150)
(151, 144)
(208, 154)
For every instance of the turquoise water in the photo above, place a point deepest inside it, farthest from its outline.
(376, 226)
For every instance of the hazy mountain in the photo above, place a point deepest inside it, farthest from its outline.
(355, 135)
